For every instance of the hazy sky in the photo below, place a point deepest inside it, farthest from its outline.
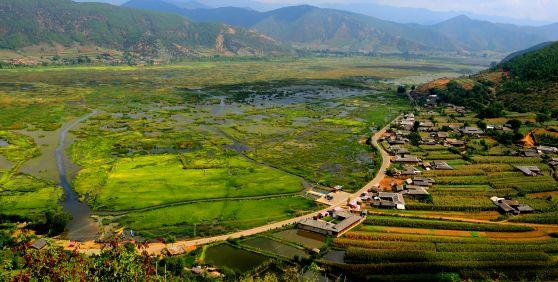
(542, 10)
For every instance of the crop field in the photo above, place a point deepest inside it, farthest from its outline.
(405, 253)
(158, 180)
(423, 239)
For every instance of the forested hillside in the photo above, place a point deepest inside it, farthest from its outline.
(527, 82)
(26, 23)
(317, 28)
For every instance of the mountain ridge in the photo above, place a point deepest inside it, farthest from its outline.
(318, 28)
(33, 22)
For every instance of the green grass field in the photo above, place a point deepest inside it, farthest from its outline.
(214, 217)
(148, 181)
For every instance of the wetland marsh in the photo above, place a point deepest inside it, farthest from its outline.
(201, 148)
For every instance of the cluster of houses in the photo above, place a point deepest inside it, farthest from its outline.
(334, 222)
(445, 136)
(536, 152)
(410, 183)
(511, 206)
(416, 187)
(21, 61)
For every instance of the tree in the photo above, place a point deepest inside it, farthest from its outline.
(543, 117)
(401, 89)
(493, 110)
(414, 138)
(416, 126)
(55, 222)
(482, 124)
(515, 124)
(446, 128)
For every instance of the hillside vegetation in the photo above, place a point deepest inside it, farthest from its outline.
(527, 82)
(32, 22)
(316, 28)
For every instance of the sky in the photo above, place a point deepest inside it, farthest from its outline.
(540, 10)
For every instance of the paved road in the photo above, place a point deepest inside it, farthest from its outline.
(386, 161)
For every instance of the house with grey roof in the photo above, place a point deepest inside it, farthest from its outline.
(348, 220)
(407, 159)
(39, 244)
(413, 190)
(455, 143)
(387, 200)
(440, 165)
(530, 170)
(511, 206)
(468, 130)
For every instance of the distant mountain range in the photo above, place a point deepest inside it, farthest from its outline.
(317, 28)
(369, 8)
(420, 15)
(178, 28)
(26, 23)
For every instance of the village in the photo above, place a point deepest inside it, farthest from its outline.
(443, 143)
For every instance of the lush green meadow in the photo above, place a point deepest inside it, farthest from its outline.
(20, 194)
(147, 181)
(215, 217)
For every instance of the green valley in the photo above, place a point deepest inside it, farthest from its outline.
(233, 140)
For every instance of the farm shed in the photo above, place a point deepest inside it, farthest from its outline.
(439, 165)
(407, 159)
(530, 170)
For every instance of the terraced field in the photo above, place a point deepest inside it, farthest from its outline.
(420, 249)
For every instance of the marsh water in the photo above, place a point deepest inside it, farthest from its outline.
(237, 259)
(5, 164)
(82, 226)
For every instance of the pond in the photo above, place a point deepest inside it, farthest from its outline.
(236, 259)
(44, 165)
(275, 247)
(3, 143)
(306, 239)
